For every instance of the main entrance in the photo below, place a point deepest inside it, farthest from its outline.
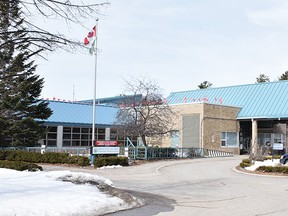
(268, 133)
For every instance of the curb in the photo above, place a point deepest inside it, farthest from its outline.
(255, 174)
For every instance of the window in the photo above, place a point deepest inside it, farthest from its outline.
(76, 130)
(67, 129)
(113, 134)
(101, 134)
(264, 139)
(268, 139)
(66, 143)
(52, 129)
(85, 130)
(101, 130)
(76, 136)
(229, 139)
(51, 143)
(51, 136)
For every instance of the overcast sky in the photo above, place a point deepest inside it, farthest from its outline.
(177, 43)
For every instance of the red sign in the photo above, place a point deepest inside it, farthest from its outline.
(106, 143)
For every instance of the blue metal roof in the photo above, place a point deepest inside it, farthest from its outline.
(80, 113)
(260, 100)
(117, 100)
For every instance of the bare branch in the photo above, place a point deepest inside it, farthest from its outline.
(147, 116)
(43, 39)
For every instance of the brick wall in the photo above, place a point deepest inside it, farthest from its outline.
(217, 119)
(214, 119)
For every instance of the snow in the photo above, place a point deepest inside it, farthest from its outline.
(110, 167)
(263, 163)
(46, 194)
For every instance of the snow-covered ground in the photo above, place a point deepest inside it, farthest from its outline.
(110, 167)
(52, 194)
(263, 163)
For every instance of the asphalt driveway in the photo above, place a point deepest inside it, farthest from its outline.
(199, 187)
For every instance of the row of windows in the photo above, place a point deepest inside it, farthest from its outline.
(77, 136)
(268, 139)
(229, 139)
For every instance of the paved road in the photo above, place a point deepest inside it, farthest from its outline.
(200, 187)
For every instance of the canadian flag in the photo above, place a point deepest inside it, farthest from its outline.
(90, 36)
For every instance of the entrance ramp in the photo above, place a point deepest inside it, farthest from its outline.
(217, 153)
(138, 151)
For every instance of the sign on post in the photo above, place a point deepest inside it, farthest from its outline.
(106, 143)
(106, 150)
(277, 146)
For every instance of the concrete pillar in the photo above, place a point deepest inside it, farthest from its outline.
(107, 133)
(254, 137)
(59, 136)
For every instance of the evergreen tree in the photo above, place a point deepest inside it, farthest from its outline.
(204, 85)
(21, 111)
(284, 76)
(262, 78)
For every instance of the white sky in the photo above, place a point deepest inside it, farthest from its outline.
(177, 43)
(40, 193)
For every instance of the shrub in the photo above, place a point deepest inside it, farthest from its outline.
(3, 154)
(47, 157)
(34, 157)
(270, 157)
(109, 161)
(55, 157)
(79, 160)
(245, 163)
(19, 165)
(277, 169)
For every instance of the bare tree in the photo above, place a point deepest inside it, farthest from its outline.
(39, 37)
(147, 115)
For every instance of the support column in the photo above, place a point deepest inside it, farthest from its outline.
(254, 137)
(59, 136)
(107, 133)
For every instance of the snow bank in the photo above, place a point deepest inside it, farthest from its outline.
(263, 163)
(42, 193)
(110, 167)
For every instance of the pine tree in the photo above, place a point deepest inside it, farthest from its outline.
(262, 78)
(21, 111)
(204, 85)
(284, 76)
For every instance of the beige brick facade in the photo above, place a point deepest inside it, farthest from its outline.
(214, 119)
(217, 119)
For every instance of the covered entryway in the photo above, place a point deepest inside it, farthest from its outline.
(266, 133)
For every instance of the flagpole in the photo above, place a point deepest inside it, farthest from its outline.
(94, 91)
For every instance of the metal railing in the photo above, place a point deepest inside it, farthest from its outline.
(83, 151)
(139, 152)
(153, 153)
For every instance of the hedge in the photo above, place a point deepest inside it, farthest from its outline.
(109, 161)
(19, 165)
(270, 169)
(274, 157)
(47, 157)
